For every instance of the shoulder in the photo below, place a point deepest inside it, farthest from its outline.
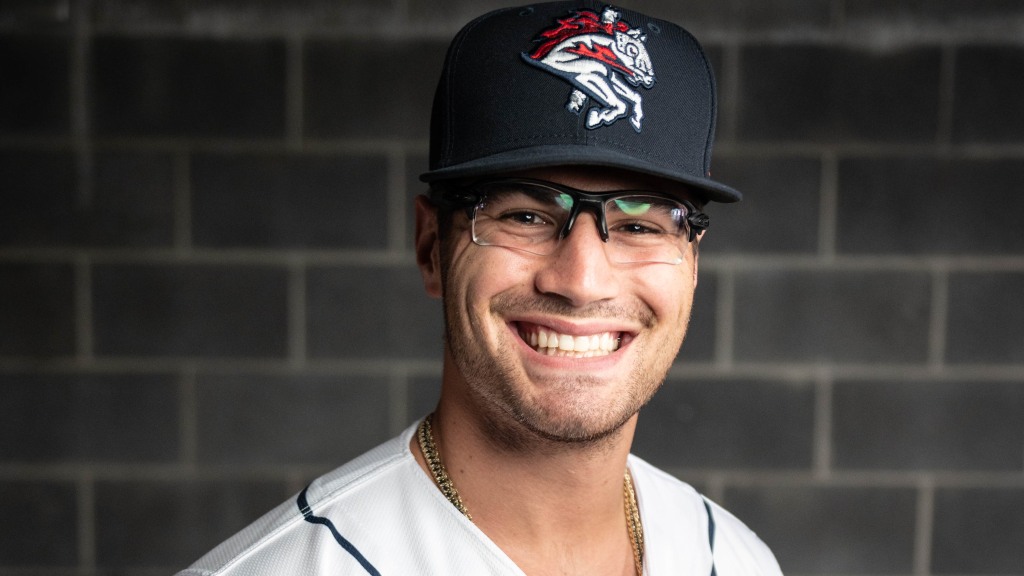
(279, 537)
(685, 520)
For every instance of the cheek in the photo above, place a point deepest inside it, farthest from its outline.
(669, 292)
(475, 275)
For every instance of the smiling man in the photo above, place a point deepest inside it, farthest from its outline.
(570, 152)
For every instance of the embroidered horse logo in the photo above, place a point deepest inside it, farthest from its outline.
(604, 59)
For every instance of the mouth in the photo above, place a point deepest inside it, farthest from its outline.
(550, 343)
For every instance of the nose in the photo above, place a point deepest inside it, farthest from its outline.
(579, 271)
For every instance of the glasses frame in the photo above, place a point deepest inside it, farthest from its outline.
(469, 197)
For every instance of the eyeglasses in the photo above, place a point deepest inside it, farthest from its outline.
(534, 215)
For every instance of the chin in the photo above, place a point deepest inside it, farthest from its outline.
(572, 424)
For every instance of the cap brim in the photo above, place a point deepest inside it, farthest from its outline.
(577, 155)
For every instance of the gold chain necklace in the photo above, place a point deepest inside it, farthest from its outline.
(447, 487)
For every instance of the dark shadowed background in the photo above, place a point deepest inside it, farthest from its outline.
(208, 297)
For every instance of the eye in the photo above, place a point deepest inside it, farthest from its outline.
(638, 228)
(524, 218)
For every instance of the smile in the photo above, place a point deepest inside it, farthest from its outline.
(551, 343)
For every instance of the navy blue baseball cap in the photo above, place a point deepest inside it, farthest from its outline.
(575, 83)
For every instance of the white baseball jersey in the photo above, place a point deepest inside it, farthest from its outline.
(382, 514)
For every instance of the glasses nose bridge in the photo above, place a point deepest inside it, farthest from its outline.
(591, 204)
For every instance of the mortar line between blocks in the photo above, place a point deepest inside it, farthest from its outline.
(924, 527)
(823, 424)
(86, 511)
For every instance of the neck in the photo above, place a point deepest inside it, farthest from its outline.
(545, 502)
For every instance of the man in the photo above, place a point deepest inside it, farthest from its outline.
(570, 145)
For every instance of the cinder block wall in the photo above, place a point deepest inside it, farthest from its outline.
(207, 293)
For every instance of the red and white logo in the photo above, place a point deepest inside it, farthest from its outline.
(604, 59)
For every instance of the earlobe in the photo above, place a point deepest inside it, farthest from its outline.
(428, 246)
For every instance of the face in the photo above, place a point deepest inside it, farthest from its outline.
(565, 347)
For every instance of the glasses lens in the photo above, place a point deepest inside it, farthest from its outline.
(520, 215)
(646, 228)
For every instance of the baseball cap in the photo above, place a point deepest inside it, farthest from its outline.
(575, 83)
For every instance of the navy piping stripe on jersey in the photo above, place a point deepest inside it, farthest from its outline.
(711, 536)
(307, 513)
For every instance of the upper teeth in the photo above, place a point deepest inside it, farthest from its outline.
(553, 343)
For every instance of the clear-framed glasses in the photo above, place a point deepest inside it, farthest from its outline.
(534, 215)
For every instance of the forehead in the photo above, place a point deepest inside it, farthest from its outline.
(598, 179)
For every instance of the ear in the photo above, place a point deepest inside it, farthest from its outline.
(428, 246)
